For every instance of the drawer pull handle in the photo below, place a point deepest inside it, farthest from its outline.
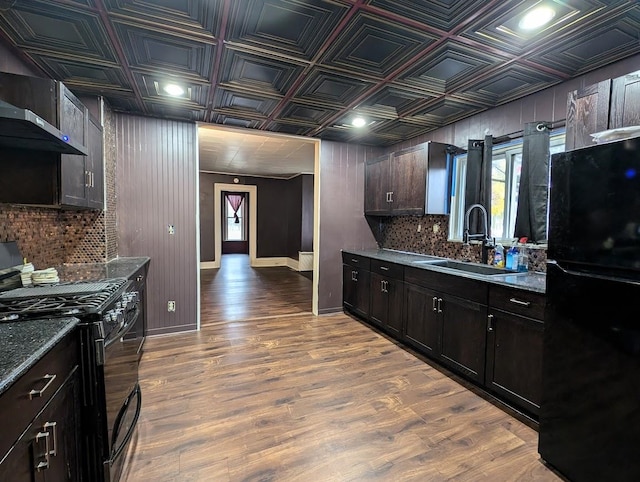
(47, 426)
(490, 323)
(38, 393)
(44, 464)
(354, 260)
(384, 268)
(518, 302)
(439, 305)
(139, 278)
(435, 300)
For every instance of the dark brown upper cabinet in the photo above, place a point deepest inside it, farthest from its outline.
(47, 178)
(625, 101)
(587, 112)
(414, 181)
(610, 104)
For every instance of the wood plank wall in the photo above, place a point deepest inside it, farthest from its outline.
(342, 221)
(156, 187)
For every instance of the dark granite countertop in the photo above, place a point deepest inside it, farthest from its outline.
(23, 343)
(530, 281)
(116, 268)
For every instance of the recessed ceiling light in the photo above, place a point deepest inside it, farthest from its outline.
(537, 18)
(358, 122)
(173, 89)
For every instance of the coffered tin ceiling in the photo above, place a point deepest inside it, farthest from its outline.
(306, 67)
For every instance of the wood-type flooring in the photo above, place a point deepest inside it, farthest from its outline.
(295, 397)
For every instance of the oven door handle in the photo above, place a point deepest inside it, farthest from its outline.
(115, 453)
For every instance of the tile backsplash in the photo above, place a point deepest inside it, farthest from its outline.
(428, 235)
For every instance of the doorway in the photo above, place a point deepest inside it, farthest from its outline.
(235, 223)
(251, 195)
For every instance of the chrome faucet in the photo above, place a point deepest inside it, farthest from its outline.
(484, 236)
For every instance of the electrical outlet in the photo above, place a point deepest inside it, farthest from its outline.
(171, 306)
(419, 227)
(171, 228)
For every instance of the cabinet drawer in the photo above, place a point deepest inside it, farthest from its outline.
(58, 362)
(469, 289)
(386, 269)
(521, 302)
(356, 261)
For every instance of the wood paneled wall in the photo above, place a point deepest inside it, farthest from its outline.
(342, 221)
(156, 187)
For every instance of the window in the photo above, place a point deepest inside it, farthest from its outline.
(505, 183)
(235, 222)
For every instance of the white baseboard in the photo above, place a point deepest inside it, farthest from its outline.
(293, 264)
(208, 265)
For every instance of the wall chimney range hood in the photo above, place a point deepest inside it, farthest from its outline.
(22, 129)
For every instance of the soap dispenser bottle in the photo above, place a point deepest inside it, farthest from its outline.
(523, 257)
(498, 256)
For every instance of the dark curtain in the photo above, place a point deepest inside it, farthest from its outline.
(531, 217)
(478, 182)
(235, 200)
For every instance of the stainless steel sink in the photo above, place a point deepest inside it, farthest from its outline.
(476, 268)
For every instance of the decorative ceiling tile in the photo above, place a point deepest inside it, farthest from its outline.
(292, 27)
(445, 111)
(324, 86)
(175, 112)
(506, 84)
(445, 15)
(500, 29)
(158, 53)
(193, 17)
(612, 38)
(152, 89)
(243, 103)
(307, 113)
(231, 121)
(306, 67)
(261, 74)
(83, 76)
(391, 102)
(58, 31)
(447, 67)
(375, 46)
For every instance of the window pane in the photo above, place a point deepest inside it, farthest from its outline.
(234, 231)
(498, 195)
(516, 171)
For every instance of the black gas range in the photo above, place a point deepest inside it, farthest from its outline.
(110, 348)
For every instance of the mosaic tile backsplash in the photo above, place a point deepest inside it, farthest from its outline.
(401, 233)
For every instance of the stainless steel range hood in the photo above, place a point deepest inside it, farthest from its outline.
(22, 129)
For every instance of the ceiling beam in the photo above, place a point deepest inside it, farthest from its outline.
(215, 68)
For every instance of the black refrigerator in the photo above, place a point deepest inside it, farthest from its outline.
(590, 410)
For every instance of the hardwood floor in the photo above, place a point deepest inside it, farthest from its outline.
(236, 291)
(304, 398)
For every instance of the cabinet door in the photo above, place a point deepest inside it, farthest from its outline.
(355, 290)
(587, 112)
(422, 321)
(514, 359)
(379, 311)
(408, 181)
(395, 296)
(95, 165)
(625, 101)
(48, 450)
(464, 328)
(376, 186)
(73, 172)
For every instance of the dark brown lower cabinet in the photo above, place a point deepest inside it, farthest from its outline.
(464, 328)
(48, 449)
(514, 359)
(355, 290)
(423, 323)
(386, 303)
